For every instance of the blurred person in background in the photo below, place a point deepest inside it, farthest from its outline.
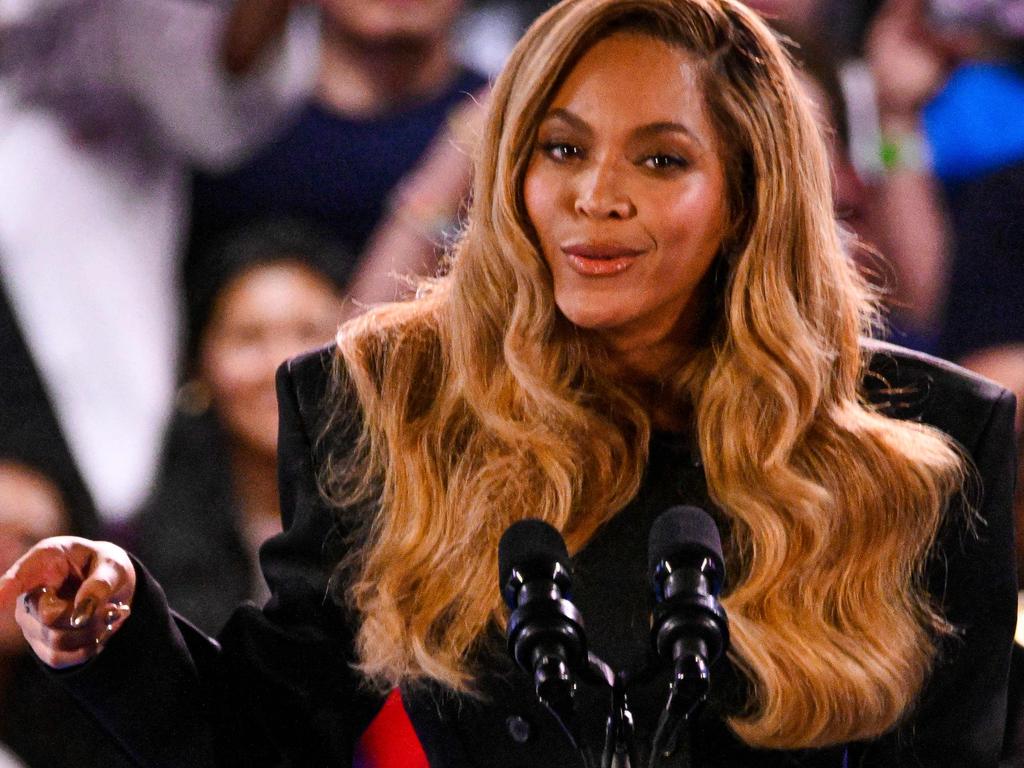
(950, 88)
(103, 104)
(798, 16)
(533, 381)
(820, 78)
(950, 82)
(29, 427)
(265, 294)
(32, 506)
(390, 96)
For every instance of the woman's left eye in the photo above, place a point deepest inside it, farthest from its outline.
(663, 161)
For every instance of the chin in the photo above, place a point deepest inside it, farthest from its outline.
(593, 318)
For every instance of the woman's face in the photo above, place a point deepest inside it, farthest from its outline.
(263, 317)
(625, 190)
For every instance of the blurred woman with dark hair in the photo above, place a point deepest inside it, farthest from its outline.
(267, 293)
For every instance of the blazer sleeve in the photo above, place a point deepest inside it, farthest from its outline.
(961, 715)
(277, 687)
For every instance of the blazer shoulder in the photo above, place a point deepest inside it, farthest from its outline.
(308, 383)
(912, 385)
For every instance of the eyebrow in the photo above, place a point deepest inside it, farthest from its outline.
(645, 131)
(566, 116)
(653, 129)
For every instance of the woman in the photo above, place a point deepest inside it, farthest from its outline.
(265, 294)
(651, 262)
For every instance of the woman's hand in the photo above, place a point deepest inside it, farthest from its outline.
(71, 595)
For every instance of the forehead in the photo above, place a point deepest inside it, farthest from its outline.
(274, 287)
(635, 78)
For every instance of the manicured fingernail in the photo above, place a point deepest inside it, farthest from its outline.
(83, 612)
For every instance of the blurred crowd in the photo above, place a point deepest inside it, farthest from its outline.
(193, 191)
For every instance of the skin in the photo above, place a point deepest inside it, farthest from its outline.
(626, 192)
(378, 55)
(262, 317)
(31, 510)
(386, 21)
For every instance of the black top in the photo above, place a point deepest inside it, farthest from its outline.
(985, 302)
(327, 168)
(279, 690)
(34, 707)
(189, 534)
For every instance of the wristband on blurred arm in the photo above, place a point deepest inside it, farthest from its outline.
(905, 151)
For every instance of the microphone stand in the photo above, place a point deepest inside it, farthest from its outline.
(619, 746)
(619, 742)
(691, 684)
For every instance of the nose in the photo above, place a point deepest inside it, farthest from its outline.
(601, 193)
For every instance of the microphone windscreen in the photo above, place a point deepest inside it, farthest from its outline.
(683, 529)
(529, 541)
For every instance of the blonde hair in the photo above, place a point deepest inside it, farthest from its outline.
(482, 405)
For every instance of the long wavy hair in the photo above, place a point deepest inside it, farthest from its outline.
(481, 404)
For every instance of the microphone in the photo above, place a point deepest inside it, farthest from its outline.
(545, 630)
(689, 629)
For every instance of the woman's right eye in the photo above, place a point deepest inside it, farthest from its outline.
(561, 151)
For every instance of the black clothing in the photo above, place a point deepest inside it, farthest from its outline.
(189, 533)
(279, 689)
(326, 168)
(31, 704)
(985, 301)
(35, 708)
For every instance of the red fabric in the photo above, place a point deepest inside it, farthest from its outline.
(390, 741)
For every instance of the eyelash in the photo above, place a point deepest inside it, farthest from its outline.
(665, 162)
(563, 151)
(554, 150)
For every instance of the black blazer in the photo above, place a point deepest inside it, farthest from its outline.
(278, 689)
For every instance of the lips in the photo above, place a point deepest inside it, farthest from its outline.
(600, 259)
(600, 250)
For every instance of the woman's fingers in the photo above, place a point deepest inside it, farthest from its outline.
(46, 622)
(45, 565)
(59, 648)
(109, 582)
(75, 594)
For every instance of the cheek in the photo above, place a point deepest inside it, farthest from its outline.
(242, 388)
(245, 400)
(540, 195)
(232, 373)
(695, 221)
(690, 235)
